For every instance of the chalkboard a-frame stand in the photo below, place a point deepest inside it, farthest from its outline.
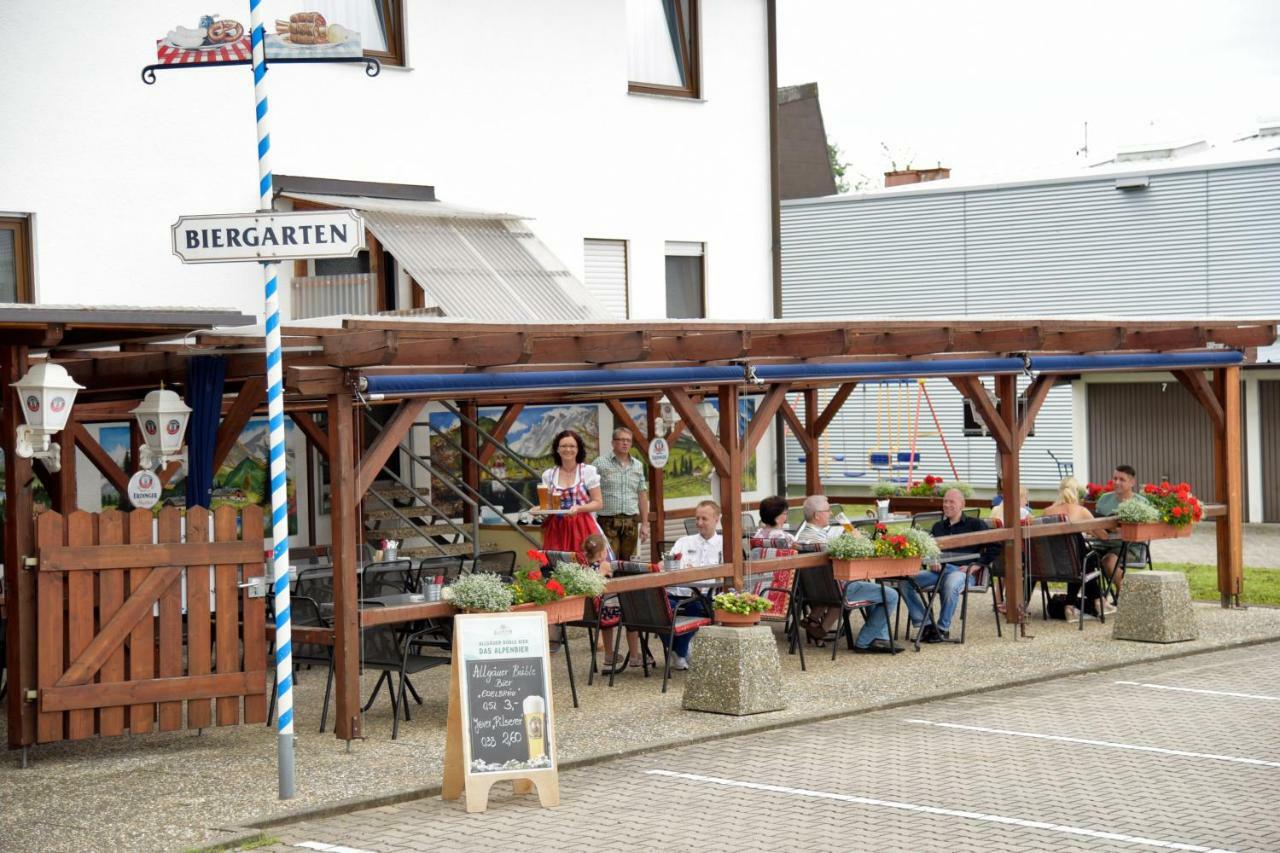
(501, 723)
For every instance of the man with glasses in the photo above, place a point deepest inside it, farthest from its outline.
(624, 487)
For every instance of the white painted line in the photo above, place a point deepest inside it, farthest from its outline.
(1202, 692)
(937, 810)
(1236, 759)
(329, 848)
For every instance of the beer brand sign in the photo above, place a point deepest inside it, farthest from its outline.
(223, 238)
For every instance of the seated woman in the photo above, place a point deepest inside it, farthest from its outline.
(773, 512)
(1068, 506)
(595, 550)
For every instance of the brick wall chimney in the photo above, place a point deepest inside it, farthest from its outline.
(914, 176)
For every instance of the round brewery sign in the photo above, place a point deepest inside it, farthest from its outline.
(172, 426)
(149, 426)
(659, 452)
(144, 489)
(33, 403)
(57, 404)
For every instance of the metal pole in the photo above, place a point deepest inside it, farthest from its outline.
(275, 421)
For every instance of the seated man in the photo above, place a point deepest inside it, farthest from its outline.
(817, 528)
(703, 548)
(950, 581)
(1125, 480)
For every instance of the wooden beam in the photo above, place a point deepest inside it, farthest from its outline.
(731, 484)
(509, 417)
(697, 427)
(613, 347)
(797, 428)
(1191, 337)
(1007, 417)
(361, 349)
(1085, 340)
(470, 453)
(1243, 336)
(307, 424)
(387, 442)
(1229, 486)
(1198, 385)
(812, 462)
(18, 542)
(114, 474)
(833, 408)
(346, 536)
(972, 389)
(234, 421)
(1036, 394)
(622, 418)
(920, 342)
(657, 503)
(67, 501)
(761, 420)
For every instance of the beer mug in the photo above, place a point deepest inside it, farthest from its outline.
(535, 721)
(544, 496)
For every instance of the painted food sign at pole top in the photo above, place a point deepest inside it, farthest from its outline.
(303, 35)
(221, 238)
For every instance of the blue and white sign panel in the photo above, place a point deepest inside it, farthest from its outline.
(221, 238)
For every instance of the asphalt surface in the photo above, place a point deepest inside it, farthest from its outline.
(1171, 755)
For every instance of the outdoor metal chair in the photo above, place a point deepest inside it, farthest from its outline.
(448, 566)
(818, 587)
(390, 649)
(315, 584)
(389, 577)
(649, 612)
(500, 563)
(926, 520)
(305, 613)
(1065, 559)
(972, 512)
(592, 610)
(691, 526)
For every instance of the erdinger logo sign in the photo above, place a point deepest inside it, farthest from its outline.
(57, 404)
(144, 489)
(172, 427)
(150, 427)
(145, 481)
(33, 403)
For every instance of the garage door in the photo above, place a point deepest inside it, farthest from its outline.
(1269, 406)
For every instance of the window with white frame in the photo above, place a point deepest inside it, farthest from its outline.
(662, 47)
(605, 274)
(686, 288)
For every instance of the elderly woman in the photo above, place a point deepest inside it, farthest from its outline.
(1068, 506)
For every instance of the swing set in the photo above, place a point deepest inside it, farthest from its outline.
(897, 432)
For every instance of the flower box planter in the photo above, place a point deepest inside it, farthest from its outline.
(1152, 530)
(871, 568)
(567, 609)
(737, 620)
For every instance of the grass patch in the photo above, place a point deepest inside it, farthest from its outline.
(1261, 586)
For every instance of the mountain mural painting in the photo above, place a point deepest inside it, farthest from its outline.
(688, 470)
(242, 479)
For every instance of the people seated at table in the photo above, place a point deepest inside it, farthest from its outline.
(771, 533)
(951, 579)
(704, 548)
(575, 488)
(1068, 506)
(1124, 479)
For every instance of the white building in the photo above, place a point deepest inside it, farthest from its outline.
(1175, 230)
(578, 116)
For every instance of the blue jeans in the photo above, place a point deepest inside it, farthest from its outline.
(953, 582)
(877, 625)
(680, 643)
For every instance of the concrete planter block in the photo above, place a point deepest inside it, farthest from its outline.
(1155, 607)
(734, 671)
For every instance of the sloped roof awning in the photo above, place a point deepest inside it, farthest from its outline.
(473, 264)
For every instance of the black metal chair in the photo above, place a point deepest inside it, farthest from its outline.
(972, 512)
(389, 577)
(591, 611)
(390, 649)
(1065, 559)
(315, 584)
(691, 526)
(649, 612)
(448, 566)
(305, 613)
(926, 520)
(818, 587)
(500, 563)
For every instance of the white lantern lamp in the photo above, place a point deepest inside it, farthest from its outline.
(666, 419)
(46, 395)
(162, 417)
(711, 415)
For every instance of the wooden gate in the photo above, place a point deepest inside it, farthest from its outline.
(133, 622)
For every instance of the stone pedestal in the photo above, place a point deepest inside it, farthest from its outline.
(734, 671)
(1155, 607)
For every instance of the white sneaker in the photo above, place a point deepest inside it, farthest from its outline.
(679, 663)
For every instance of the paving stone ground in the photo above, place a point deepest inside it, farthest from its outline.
(1165, 769)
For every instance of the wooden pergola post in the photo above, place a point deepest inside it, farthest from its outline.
(658, 506)
(346, 535)
(731, 484)
(1226, 457)
(470, 453)
(1009, 443)
(19, 585)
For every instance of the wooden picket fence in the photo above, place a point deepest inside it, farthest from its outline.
(136, 626)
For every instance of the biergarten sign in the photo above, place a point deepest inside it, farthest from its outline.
(222, 238)
(501, 723)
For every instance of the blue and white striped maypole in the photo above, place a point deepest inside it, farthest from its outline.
(275, 421)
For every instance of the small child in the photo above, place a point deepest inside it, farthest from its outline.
(595, 550)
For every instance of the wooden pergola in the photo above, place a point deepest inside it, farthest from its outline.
(406, 363)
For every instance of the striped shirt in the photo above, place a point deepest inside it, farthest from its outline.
(621, 487)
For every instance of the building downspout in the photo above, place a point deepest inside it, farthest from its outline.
(775, 225)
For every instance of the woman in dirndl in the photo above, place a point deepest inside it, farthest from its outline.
(574, 487)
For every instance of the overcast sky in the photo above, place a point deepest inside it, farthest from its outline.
(999, 89)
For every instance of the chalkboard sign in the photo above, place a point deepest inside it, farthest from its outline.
(504, 692)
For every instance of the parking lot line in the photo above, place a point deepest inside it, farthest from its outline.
(937, 810)
(1201, 691)
(1237, 759)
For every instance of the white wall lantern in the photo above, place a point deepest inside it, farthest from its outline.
(46, 395)
(666, 419)
(162, 417)
(711, 415)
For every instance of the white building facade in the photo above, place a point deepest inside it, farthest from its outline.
(1138, 238)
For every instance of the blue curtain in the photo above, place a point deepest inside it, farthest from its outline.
(205, 376)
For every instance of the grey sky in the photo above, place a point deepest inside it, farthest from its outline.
(1002, 89)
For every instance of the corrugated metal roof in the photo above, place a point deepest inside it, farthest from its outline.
(473, 264)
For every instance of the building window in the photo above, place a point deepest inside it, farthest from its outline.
(686, 290)
(662, 47)
(15, 261)
(605, 274)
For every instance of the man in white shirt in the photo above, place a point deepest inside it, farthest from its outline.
(704, 548)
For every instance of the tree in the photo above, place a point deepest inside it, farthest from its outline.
(839, 168)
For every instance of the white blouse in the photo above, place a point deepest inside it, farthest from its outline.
(586, 475)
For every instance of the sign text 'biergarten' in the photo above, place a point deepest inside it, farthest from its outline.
(220, 238)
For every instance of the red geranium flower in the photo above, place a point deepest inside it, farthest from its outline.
(555, 587)
(1176, 512)
(541, 558)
